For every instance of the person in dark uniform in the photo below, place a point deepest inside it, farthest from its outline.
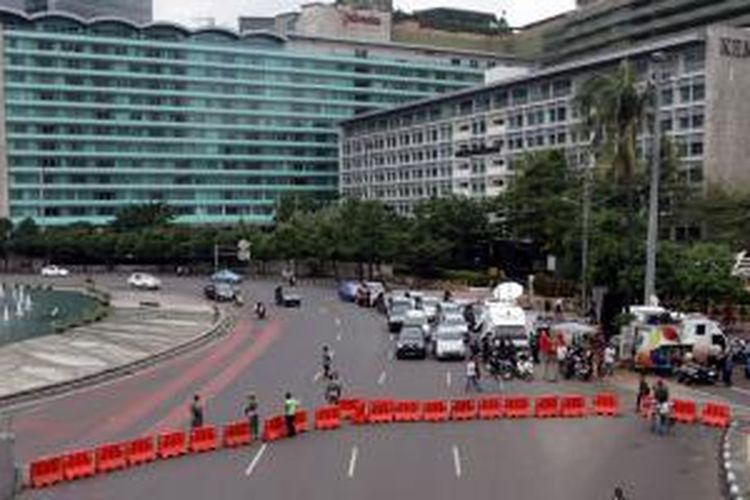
(196, 412)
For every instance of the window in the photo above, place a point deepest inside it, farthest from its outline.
(696, 148)
(685, 93)
(699, 91)
(667, 97)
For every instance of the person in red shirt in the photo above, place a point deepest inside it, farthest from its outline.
(545, 351)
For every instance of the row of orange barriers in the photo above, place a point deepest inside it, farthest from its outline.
(688, 412)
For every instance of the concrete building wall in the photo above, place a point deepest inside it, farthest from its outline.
(728, 101)
(4, 204)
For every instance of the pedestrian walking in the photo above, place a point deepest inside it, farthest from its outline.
(660, 422)
(196, 412)
(545, 347)
(472, 375)
(609, 360)
(643, 392)
(562, 356)
(251, 413)
(290, 410)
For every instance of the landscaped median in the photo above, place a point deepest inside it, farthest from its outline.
(170, 444)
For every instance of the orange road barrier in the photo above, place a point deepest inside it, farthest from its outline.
(381, 411)
(435, 411)
(111, 457)
(327, 418)
(572, 405)
(463, 409)
(237, 434)
(490, 408)
(140, 451)
(349, 407)
(715, 414)
(274, 428)
(360, 414)
(517, 407)
(606, 403)
(79, 464)
(172, 444)
(45, 472)
(407, 411)
(684, 411)
(546, 407)
(203, 439)
(300, 421)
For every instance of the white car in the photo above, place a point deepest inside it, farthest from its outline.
(450, 338)
(144, 281)
(54, 271)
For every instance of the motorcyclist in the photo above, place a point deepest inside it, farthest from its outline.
(260, 310)
(327, 361)
(279, 295)
(333, 389)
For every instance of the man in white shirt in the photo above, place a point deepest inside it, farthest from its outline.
(472, 376)
(562, 353)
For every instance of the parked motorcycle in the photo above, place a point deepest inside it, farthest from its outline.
(693, 373)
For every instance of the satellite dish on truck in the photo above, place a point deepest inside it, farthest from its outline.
(507, 292)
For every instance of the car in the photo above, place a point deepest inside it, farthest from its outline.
(396, 312)
(411, 343)
(144, 281)
(445, 309)
(348, 290)
(430, 308)
(450, 336)
(226, 276)
(283, 299)
(54, 271)
(220, 292)
(417, 318)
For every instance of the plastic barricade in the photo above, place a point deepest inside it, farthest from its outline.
(572, 406)
(717, 415)
(517, 407)
(327, 418)
(203, 439)
(349, 407)
(237, 434)
(140, 451)
(606, 404)
(300, 421)
(435, 411)
(463, 409)
(684, 411)
(381, 411)
(407, 411)
(359, 414)
(79, 464)
(111, 457)
(546, 407)
(172, 444)
(491, 408)
(274, 428)
(45, 472)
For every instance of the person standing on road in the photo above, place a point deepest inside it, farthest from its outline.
(562, 356)
(327, 361)
(472, 375)
(251, 413)
(661, 413)
(609, 360)
(727, 368)
(643, 392)
(196, 412)
(544, 351)
(290, 410)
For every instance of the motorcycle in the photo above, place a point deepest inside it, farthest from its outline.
(260, 311)
(696, 374)
(524, 368)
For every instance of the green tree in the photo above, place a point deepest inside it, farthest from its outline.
(136, 217)
(6, 232)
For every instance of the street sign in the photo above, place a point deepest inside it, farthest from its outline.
(243, 255)
(243, 245)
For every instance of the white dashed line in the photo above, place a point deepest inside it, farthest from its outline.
(381, 378)
(338, 321)
(448, 379)
(456, 461)
(256, 459)
(338, 337)
(353, 461)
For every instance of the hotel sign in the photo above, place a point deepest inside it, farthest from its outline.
(354, 18)
(735, 48)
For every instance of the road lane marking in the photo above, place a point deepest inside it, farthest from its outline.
(317, 376)
(381, 378)
(390, 355)
(338, 321)
(448, 378)
(338, 337)
(456, 461)
(353, 461)
(256, 459)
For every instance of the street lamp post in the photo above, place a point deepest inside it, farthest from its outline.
(649, 286)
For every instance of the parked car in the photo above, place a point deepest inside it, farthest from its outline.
(396, 313)
(450, 337)
(54, 271)
(144, 281)
(226, 276)
(411, 343)
(284, 299)
(418, 318)
(220, 292)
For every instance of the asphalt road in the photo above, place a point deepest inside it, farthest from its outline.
(533, 459)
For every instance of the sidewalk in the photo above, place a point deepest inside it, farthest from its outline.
(128, 335)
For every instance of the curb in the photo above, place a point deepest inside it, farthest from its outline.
(223, 325)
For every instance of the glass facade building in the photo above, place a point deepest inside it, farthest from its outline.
(104, 114)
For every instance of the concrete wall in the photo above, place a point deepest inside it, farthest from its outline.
(7, 467)
(727, 142)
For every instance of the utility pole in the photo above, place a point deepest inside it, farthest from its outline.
(216, 257)
(585, 232)
(649, 286)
